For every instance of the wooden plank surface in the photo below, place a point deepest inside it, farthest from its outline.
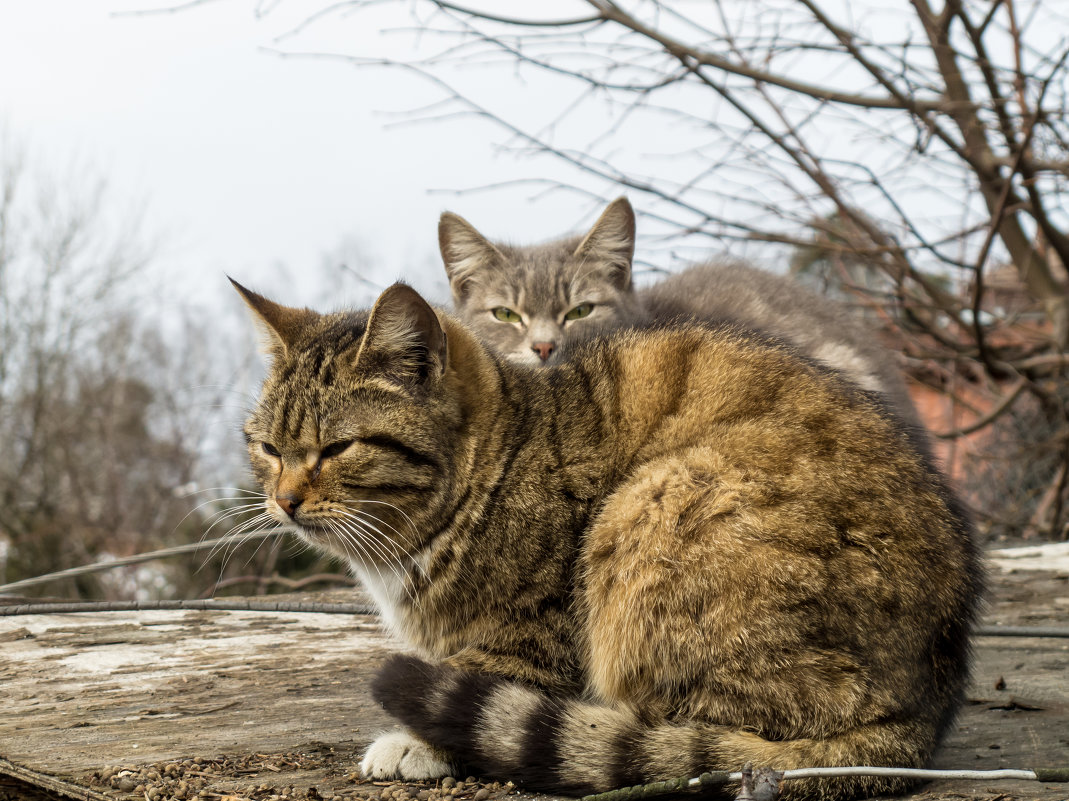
(249, 705)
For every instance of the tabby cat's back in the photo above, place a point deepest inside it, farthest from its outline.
(683, 550)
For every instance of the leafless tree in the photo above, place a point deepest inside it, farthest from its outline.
(924, 146)
(107, 412)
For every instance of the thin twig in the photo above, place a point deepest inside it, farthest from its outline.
(1005, 403)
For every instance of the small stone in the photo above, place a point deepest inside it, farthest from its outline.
(126, 784)
(482, 795)
(448, 782)
(471, 780)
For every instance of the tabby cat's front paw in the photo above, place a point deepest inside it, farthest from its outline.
(399, 755)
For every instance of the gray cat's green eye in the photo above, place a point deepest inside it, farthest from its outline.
(270, 449)
(505, 315)
(582, 310)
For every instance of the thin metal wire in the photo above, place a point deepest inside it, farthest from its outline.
(719, 778)
(910, 773)
(211, 605)
(163, 553)
(1021, 631)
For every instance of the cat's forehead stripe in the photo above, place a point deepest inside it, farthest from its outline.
(294, 413)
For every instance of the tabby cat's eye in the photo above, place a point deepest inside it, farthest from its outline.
(335, 449)
(582, 310)
(270, 449)
(505, 314)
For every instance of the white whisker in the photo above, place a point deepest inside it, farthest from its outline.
(392, 561)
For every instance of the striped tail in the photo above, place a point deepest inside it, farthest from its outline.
(500, 728)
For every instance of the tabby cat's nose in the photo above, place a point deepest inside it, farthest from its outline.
(289, 502)
(543, 349)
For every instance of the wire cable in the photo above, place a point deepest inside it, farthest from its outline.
(138, 558)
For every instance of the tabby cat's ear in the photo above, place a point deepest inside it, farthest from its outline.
(279, 325)
(404, 340)
(612, 242)
(464, 251)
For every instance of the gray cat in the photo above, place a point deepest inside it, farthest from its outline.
(530, 303)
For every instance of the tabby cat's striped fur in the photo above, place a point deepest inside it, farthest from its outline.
(684, 549)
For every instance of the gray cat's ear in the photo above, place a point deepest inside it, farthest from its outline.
(404, 340)
(465, 252)
(280, 326)
(612, 242)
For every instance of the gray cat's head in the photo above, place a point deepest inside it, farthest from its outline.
(527, 303)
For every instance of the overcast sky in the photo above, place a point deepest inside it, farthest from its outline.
(242, 159)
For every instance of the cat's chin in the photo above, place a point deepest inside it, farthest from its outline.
(317, 537)
(530, 359)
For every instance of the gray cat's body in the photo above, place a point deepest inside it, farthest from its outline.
(518, 299)
(778, 305)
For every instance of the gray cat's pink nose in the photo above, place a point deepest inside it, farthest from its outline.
(543, 349)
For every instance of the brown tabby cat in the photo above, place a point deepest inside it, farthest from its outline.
(530, 302)
(683, 549)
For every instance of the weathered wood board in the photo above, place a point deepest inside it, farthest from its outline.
(249, 705)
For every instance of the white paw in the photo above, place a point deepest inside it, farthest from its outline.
(400, 755)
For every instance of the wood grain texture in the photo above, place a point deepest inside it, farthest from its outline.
(284, 697)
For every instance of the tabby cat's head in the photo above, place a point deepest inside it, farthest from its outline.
(526, 302)
(355, 433)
